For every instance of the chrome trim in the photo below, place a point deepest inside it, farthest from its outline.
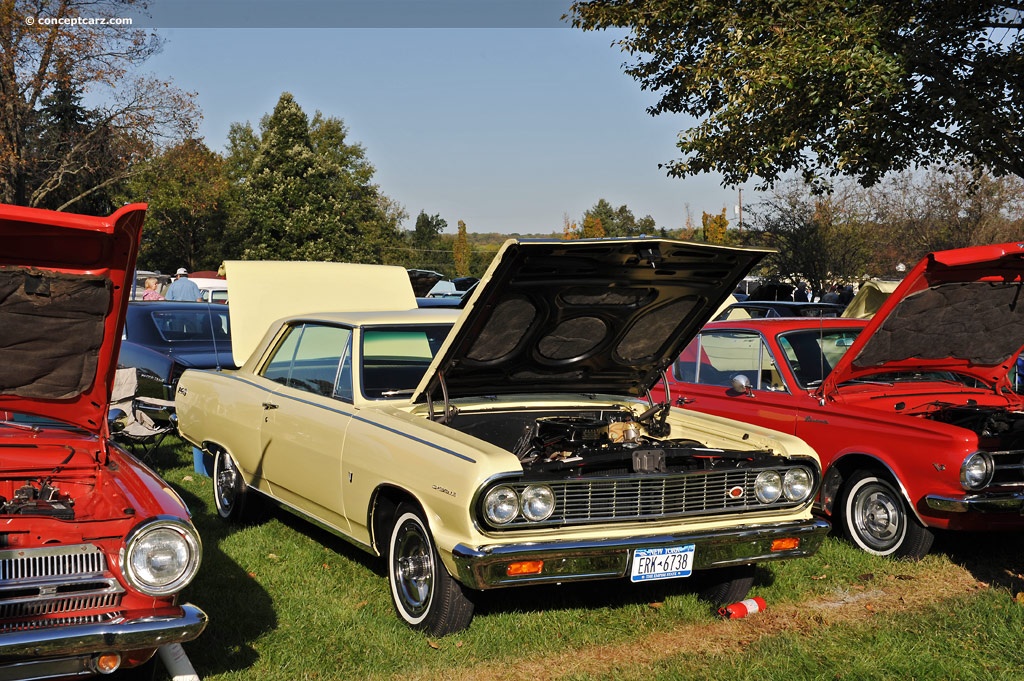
(189, 535)
(978, 504)
(597, 499)
(577, 560)
(155, 628)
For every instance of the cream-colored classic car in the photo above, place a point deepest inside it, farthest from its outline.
(507, 444)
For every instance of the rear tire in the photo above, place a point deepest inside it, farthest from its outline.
(726, 585)
(425, 596)
(875, 518)
(229, 491)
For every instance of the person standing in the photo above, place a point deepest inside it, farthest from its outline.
(152, 291)
(183, 288)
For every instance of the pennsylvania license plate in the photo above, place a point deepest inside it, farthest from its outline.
(664, 563)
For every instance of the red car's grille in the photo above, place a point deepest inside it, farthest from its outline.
(55, 586)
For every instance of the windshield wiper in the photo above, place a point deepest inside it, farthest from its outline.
(21, 426)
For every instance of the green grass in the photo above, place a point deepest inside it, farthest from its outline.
(288, 601)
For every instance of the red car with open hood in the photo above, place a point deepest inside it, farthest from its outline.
(912, 413)
(94, 547)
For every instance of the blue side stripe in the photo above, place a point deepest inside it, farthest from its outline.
(357, 418)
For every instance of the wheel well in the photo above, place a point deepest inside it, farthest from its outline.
(841, 470)
(382, 514)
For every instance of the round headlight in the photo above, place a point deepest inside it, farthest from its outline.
(501, 505)
(161, 557)
(768, 487)
(797, 484)
(538, 502)
(976, 471)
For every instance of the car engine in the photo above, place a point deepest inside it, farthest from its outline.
(38, 497)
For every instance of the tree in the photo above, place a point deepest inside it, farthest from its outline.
(828, 88)
(186, 187)
(619, 221)
(820, 239)
(462, 252)
(301, 191)
(592, 228)
(54, 152)
(715, 228)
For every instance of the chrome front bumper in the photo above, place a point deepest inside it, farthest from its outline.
(59, 650)
(566, 561)
(1008, 503)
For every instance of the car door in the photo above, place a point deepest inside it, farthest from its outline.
(704, 371)
(305, 420)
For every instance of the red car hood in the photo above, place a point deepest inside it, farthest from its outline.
(959, 310)
(64, 285)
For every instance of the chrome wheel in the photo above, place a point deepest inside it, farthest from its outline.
(228, 487)
(412, 568)
(876, 519)
(425, 596)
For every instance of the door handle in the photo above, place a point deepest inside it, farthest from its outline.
(269, 405)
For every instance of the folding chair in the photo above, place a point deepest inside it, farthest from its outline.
(136, 430)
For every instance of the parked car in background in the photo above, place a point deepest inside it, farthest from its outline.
(94, 547)
(213, 290)
(164, 338)
(507, 444)
(911, 412)
(749, 309)
(870, 296)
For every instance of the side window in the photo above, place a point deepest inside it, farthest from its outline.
(309, 359)
(714, 358)
(279, 368)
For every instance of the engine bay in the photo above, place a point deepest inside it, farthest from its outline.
(38, 497)
(573, 443)
(996, 428)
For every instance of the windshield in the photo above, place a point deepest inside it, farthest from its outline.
(395, 358)
(200, 324)
(30, 422)
(812, 353)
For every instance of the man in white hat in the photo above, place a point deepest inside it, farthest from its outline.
(183, 288)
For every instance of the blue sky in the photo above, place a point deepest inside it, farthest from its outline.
(506, 128)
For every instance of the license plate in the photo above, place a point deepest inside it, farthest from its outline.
(663, 563)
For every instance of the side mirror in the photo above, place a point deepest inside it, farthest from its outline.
(117, 420)
(741, 384)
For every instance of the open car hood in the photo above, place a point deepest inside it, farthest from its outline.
(588, 316)
(64, 284)
(958, 310)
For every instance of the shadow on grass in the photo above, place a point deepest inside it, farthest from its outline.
(610, 593)
(996, 558)
(240, 610)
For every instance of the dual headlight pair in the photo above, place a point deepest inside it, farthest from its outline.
(503, 504)
(796, 485)
(161, 557)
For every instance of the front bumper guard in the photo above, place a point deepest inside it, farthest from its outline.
(24, 654)
(567, 561)
(1006, 503)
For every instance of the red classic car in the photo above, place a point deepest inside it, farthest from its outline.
(94, 547)
(912, 413)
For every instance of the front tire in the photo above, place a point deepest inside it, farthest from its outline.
(425, 596)
(875, 518)
(229, 491)
(726, 585)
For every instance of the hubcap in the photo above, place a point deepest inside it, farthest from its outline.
(413, 569)
(227, 480)
(878, 517)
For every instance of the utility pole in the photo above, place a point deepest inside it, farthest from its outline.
(739, 210)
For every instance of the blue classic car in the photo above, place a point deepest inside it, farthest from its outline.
(164, 338)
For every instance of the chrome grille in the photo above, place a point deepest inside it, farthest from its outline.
(22, 625)
(55, 581)
(1009, 468)
(649, 497)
